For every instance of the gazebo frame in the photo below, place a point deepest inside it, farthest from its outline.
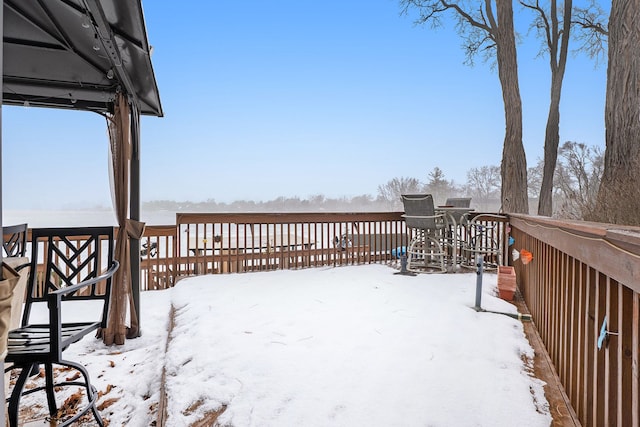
(82, 55)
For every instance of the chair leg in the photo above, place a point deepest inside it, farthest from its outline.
(91, 391)
(411, 252)
(49, 389)
(426, 255)
(92, 394)
(16, 394)
(35, 370)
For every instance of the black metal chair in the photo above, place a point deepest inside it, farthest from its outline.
(78, 266)
(14, 242)
(14, 246)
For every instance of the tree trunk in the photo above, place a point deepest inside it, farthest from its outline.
(551, 142)
(619, 194)
(514, 163)
(552, 133)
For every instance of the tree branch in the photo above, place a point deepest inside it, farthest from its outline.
(467, 17)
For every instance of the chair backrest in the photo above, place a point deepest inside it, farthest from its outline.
(69, 256)
(458, 202)
(14, 240)
(419, 211)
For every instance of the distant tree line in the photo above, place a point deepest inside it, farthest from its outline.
(316, 203)
(576, 181)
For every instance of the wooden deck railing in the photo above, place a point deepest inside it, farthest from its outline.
(158, 259)
(224, 243)
(580, 274)
(215, 243)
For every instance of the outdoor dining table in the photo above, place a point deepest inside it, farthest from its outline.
(201, 246)
(451, 212)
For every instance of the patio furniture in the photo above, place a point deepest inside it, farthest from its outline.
(78, 267)
(483, 239)
(426, 252)
(14, 243)
(148, 250)
(455, 231)
(456, 210)
(458, 202)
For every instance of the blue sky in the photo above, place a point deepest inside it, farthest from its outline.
(297, 98)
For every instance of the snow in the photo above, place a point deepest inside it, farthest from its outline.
(343, 346)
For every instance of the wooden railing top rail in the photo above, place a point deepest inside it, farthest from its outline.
(611, 249)
(162, 230)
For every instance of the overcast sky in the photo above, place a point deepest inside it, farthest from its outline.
(297, 98)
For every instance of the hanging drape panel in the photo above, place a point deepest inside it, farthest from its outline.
(122, 299)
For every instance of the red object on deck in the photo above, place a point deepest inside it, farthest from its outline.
(506, 282)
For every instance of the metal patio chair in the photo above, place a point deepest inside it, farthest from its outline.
(483, 239)
(14, 243)
(460, 217)
(78, 267)
(458, 202)
(14, 246)
(457, 219)
(426, 252)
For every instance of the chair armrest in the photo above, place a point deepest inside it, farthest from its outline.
(21, 266)
(54, 304)
(17, 263)
(424, 216)
(489, 217)
(439, 220)
(449, 218)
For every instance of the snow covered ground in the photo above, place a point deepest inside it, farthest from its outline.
(346, 346)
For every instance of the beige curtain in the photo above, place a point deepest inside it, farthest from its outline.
(121, 296)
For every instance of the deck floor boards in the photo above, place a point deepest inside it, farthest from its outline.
(559, 405)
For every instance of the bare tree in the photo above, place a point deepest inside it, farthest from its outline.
(534, 175)
(619, 194)
(555, 31)
(483, 185)
(439, 186)
(390, 192)
(577, 180)
(482, 32)
(591, 30)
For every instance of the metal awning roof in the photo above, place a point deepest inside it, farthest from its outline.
(77, 54)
